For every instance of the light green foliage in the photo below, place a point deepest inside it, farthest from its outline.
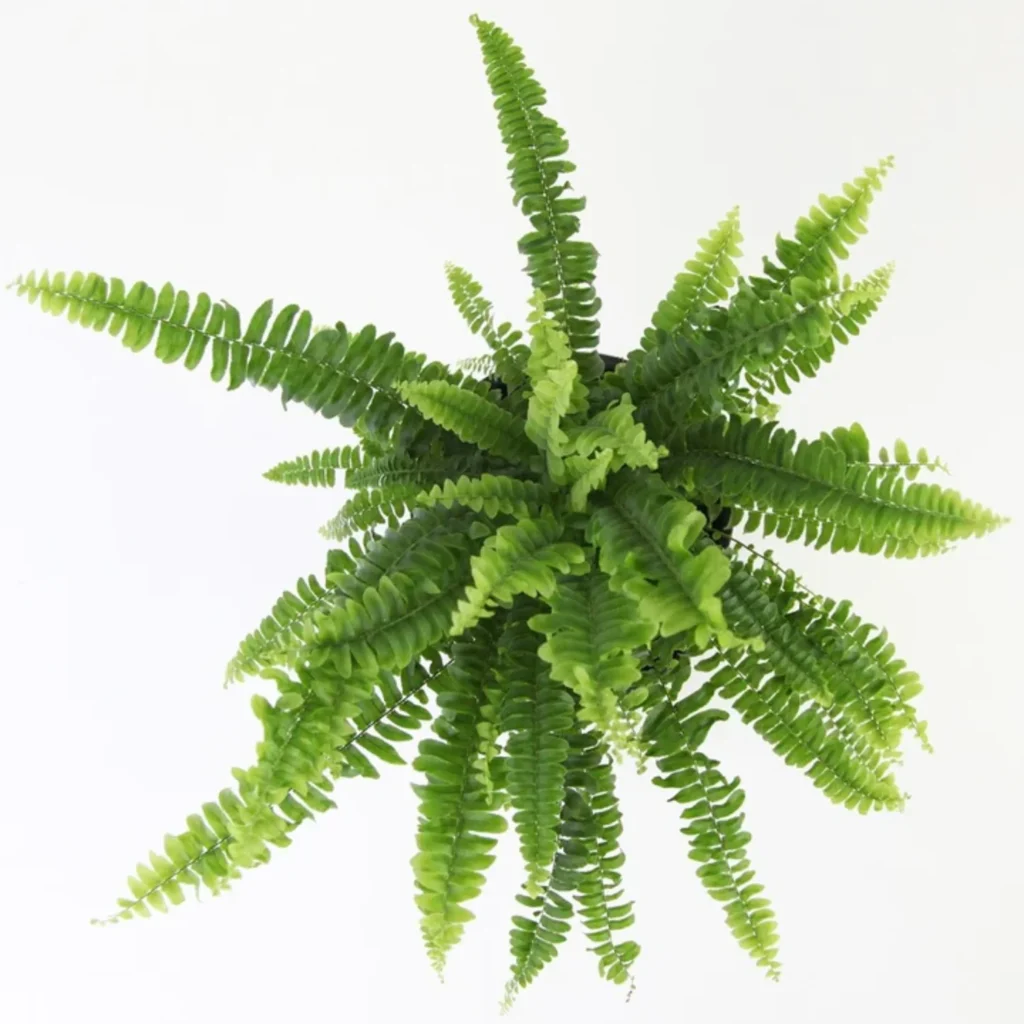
(543, 565)
(708, 278)
(591, 634)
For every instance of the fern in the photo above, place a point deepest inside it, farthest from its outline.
(810, 492)
(544, 565)
(561, 266)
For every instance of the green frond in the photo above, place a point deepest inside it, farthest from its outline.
(319, 469)
(853, 443)
(556, 390)
(508, 356)
(591, 633)
(799, 733)
(599, 892)
(708, 278)
(368, 509)
(871, 688)
(644, 539)
(472, 417)
(492, 495)
(558, 264)
(809, 491)
(803, 354)
(197, 857)
(456, 826)
(393, 621)
(286, 622)
(521, 558)
(714, 827)
(343, 376)
(537, 716)
(693, 374)
(426, 469)
(823, 236)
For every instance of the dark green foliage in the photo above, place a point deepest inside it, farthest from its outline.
(532, 559)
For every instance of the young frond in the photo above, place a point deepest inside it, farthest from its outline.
(560, 265)
(644, 537)
(492, 495)
(708, 278)
(810, 491)
(472, 417)
(343, 376)
(590, 635)
(823, 236)
(521, 558)
(507, 356)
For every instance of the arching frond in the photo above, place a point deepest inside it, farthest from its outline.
(471, 417)
(809, 491)
(560, 265)
(344, 376)
(368, 509)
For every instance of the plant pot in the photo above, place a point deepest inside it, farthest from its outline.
(720, 524)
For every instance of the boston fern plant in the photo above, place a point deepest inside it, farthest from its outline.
(546, 565)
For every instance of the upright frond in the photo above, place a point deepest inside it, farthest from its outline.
(560, 265)
(708, 278)
(823, 236)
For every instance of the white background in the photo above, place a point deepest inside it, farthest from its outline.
(336, 154)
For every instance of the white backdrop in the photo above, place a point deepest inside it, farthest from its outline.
(335, 155)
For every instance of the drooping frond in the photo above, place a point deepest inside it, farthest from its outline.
(708, 278)
(521, 558)
(508, 356)
(644, 537)
(559, 264)
(471, 417)
(492, 495)
(456, 824)
(824, 234)
(798, 731)
(196, 857)
(855, 662)
(345, 376)
(599, 892)
(809, 491)
(714, 826)
(591, 633)
(537, 716)
(318, 469)
(262, 647)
